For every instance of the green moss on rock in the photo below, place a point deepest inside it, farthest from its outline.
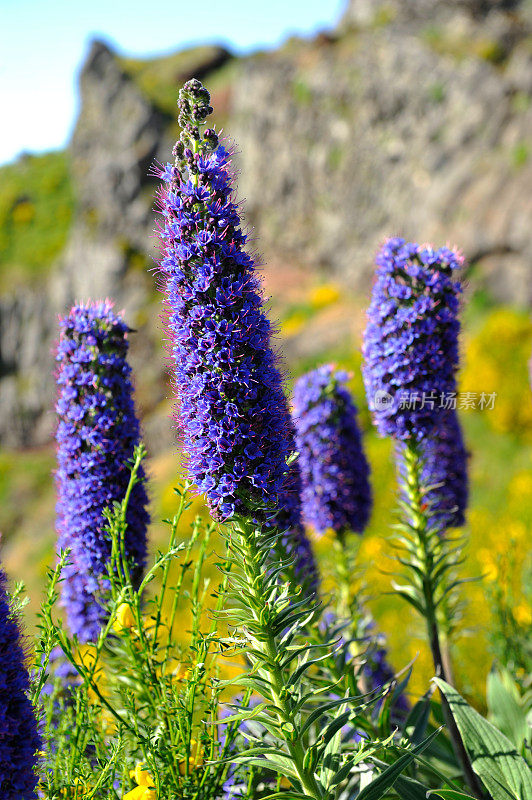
(36, 205)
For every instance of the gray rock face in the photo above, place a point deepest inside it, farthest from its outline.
(26, 366)
(380, 133)
(413, 118)
(117, 137)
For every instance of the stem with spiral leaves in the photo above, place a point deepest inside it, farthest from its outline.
(426, 547)
(266, 649)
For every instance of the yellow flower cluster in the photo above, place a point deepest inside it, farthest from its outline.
(124, 619)
(145, 789)
(325, 295)
(496, 360)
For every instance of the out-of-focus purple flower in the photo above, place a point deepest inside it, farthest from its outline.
(294, 540)
(96, 436)
(411, 339)
(378, 674)
(445, 472)
(370, 649)
(334, 470)
(19, 737)
(231, 407)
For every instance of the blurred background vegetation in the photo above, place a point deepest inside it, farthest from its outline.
(498, 603)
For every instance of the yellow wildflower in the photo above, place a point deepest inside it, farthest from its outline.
(124, 618)
(175, 670)
(373, 547)
(324, 295)
(146, 787)
(523, 614)
(141, 793)
(488, 563)
(293, 324)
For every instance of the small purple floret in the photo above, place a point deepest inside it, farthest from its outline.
(96, 436)
(336, 492)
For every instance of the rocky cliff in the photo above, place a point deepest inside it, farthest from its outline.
(409, 118)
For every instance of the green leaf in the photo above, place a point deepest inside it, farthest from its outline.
(418, 720)
(332, 751)
(493, 757)
(449, 794)
(380, 785)
(315, 715)
(409, 789)
(332, 727)
(506, 711)
(263, 763)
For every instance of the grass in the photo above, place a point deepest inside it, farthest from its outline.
(36, 206)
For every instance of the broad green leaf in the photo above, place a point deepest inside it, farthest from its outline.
(505, 709)
(262, 763)
(332, 727)
(493, 757)
(315, 715)
(449, 794)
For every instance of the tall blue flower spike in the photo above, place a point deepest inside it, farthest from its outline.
(96, 436)
(231, 410)
(19, 737)
(411, 339)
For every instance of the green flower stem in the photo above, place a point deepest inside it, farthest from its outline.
(248, 554)
(425, 556)
(424, 546)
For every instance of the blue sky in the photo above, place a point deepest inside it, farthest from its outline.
(43, 42)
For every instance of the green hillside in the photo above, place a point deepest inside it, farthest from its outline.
(36, 207)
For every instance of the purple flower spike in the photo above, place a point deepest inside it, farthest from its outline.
(96, 436)
(378, 673)
(334, 471)
(231, 410)
(411, 339)
(19, 737)
(288, 520)
(445, 469)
